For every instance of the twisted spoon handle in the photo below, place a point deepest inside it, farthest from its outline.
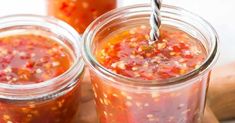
(155, 20)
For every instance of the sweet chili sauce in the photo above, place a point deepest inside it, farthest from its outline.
(29, 59)
(79, 13)
(32, 59)
(128, 53)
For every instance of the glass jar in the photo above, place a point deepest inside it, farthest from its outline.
(127, 100)
(79, 13)
(52, 101)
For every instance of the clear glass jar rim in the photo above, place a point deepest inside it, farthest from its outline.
(89, 58)
(77, 67)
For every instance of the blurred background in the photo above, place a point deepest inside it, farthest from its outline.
(218, 12)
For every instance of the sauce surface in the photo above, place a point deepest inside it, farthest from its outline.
(27, 59)
(129, 53)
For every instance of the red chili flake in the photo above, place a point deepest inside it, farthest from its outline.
(183, 46)
(2, 74)
(30, 64)
(175, 70)
(93, 10)
(63, 6)
(188, 56)
(176, 49)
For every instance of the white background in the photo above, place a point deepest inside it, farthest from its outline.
(220, 13)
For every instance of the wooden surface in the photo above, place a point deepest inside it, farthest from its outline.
(209, 116)
(87, 108)
(221, 93)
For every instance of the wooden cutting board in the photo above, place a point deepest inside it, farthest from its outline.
(87, 107)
